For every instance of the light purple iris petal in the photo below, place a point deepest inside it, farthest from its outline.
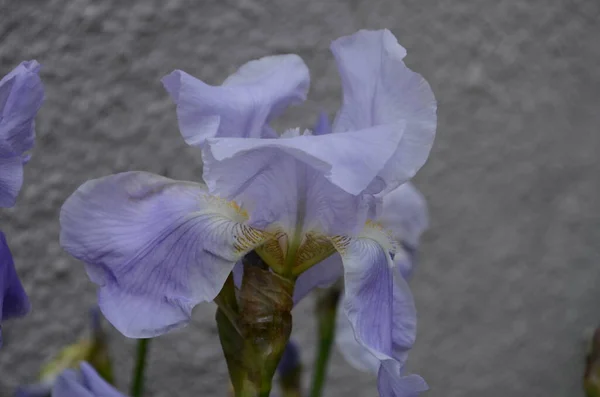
(404, 213)
(395, 304)
(13, 299)
(21, 96)
(321, 275)
(391, 382)
(380, 310)
(155, 246)
(243, 105)
(369, 288)
(354, 353)
(403, 332)
(83, 383)
(378, 90)
(275, 187)
(350, 161)
(321, 177)
(404, 326)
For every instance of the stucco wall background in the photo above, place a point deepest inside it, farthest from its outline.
(509, 279)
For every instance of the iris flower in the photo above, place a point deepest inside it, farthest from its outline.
(21, 96)
(157, 247)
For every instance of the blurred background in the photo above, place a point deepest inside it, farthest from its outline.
(508, 285)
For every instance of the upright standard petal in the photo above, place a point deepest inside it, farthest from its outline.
(13, 299)
(244, 104)
(21, 96)
(379, 89)
(321, 181)
(83, 383)
(155, 246)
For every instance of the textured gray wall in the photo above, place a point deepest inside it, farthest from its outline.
(509, 279)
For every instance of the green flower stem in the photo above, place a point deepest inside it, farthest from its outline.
(137, 386)
(326, 309)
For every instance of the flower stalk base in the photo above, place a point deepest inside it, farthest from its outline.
(254, 326)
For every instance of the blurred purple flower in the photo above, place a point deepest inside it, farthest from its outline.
(157, 247)
(21, 96)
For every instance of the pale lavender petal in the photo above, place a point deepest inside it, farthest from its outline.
(379, 308)
(404, 328)
(330, 210)
(321, 275)
(85, 383)
(155, 246)
(250, 177)
(350, 161)
(401, 321)
(21, 96)
(392, 383)
(324, 177)
(244, 104)
(379, 90)
(403, 332)
(368, 298)
(404, 213)
(354, 353)
(13, 299)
